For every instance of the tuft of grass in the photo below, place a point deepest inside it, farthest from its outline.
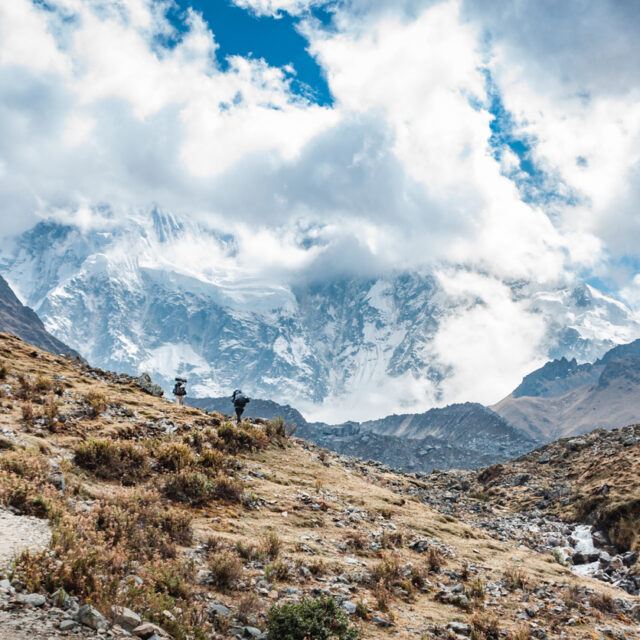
(96, 403)
(27, 412)
(3, 371)
(271, 545)
(225, 571)
(485, 626)
(515, 578)
(113, 460)
(435, 560)
(602, 602)
(236, 439)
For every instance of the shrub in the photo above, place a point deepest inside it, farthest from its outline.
(225, 570)
(276, 429)
(320, 619)
(362, 610)
(602, 602)
(27, 412)
(96, 402)
(356, 540)
(247, 550)
(237, 439)
(485, 627)
(271, 545)
(113, 460)
(387, 571)
(50, 411)
(211, 459)
(3, 371)
(42, 384)
(175, 456)
(227, 489)
(279, 570)
(515, 578)
(435, 560)
(190, 487)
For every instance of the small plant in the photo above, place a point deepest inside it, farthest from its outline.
(113, 460)
(211, 459)
(42, 384)
(3, 371)
(387, 571)
(559, 557)
(225, 571)
(50, 411)
(515, 578)
(484, 627)
(357, 540)
(435, 560)
(271, 545)
(279, 570)
(227, 489)
(602, 602)
(317, 567)
(248, 551)
(362, 610)
(248, 606)
(382, 595)
(96, 403)
(320, 619)
(27, 412)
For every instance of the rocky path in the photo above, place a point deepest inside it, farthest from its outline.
(18, 533)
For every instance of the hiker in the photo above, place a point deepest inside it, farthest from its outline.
(239, 402)
(179, 390)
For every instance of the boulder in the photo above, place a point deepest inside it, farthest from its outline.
(126, 618)
(91, 617)
(146, 384)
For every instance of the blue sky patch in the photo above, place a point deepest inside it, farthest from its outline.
(275, 40)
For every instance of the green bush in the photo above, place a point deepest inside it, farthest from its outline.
(320, 619)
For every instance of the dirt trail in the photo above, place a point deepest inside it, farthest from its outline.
(18, 533)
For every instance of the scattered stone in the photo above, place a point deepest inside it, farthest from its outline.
(91, 617)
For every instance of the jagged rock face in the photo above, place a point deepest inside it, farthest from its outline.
(23, 322)
(121, 296)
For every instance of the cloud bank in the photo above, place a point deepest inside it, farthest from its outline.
(406, 169)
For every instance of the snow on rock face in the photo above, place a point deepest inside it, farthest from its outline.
(163, 295)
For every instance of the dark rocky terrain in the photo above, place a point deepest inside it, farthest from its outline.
(463, 436)
(23, 322)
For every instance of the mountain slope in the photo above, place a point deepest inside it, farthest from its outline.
(265, 521)
(162, 294)
(458, 436)
(566, 399)
(22, 321)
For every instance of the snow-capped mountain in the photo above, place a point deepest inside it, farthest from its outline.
(163, 295)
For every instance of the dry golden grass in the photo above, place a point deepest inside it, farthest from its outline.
(195, 466)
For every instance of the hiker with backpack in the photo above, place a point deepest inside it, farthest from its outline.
(180, 390)
(240, 401)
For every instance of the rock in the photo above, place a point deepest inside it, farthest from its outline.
(629, 558)
(91, 617)
(147, 385)
(58, 481)
(216, 610)
(460, 628)
(251, 632)
(126, 618)
(67, 625)
(381, 622)
(33, 600)
(544, 458)
(349, 607)
(147, 630)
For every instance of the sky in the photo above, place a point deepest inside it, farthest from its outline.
(349, 136)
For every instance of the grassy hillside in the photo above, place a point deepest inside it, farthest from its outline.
(203, 527)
